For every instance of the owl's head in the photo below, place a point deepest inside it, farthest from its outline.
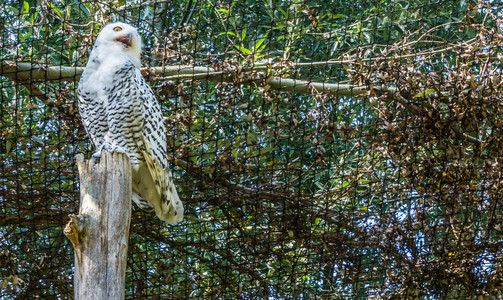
(121, 37)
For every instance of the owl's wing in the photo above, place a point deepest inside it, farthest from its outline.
(153, 146)
(91, 108)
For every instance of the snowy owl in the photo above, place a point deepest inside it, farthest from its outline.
(120, 113)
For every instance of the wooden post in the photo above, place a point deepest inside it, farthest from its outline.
(100, 232)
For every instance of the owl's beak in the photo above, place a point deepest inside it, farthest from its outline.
(125, 40)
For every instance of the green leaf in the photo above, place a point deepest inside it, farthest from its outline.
(33, 18)
(338, 16)
(243, 34)
(26, 8)
(84, 8)
(57, 10)
(425, 93)
(68, 12)
(225, 11)
(266, 150)
(259, 42)
(244, 50)
(228, 33)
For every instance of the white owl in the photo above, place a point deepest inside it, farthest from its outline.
(120, 113)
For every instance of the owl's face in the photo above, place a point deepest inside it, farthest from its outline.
(122, 36)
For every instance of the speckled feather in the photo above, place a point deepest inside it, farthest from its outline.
(120, 113)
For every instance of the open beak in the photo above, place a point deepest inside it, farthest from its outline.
(125, 40)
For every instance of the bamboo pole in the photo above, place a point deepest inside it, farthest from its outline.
(24, 72)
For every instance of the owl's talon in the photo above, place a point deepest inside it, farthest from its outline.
(97, 154)
(118, 149)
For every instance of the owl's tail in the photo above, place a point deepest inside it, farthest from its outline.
(171, 208)
(157, 192)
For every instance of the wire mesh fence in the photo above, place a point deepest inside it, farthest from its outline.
(322, 149)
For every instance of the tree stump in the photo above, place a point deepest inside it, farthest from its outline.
(100, 232)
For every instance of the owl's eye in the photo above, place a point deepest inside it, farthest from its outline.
(117, 28)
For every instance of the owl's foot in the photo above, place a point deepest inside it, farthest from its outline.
(117, 149)
(109, 148)
(113, 148)
(142, 203)
(97, 154)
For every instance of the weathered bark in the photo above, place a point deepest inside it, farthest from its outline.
(100, 232)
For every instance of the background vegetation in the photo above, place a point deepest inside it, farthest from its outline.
(344, 149)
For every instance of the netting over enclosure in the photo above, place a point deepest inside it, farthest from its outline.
(322, 149)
